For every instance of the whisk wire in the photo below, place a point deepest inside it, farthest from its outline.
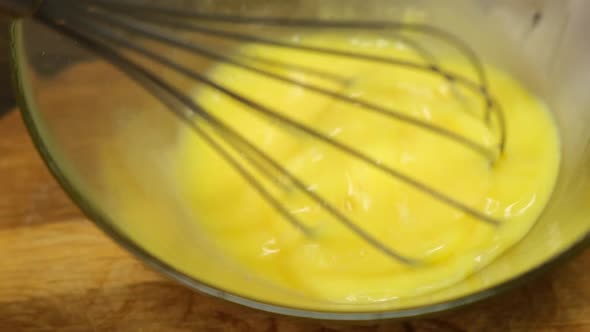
(264, 110)
(169, 17)
(169, 96)
(159, 87)
(102, 33)
(431, 67)
(153, 33)
(131, 7)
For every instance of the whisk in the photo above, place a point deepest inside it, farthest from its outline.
(111, 29)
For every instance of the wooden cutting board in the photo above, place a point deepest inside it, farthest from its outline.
(58, 272)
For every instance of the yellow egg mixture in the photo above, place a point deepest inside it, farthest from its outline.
(333, 263)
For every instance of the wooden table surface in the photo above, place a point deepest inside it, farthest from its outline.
(58, 272)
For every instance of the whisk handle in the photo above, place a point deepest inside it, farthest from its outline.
(19, 8)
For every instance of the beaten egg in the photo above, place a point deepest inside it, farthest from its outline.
(329, 260)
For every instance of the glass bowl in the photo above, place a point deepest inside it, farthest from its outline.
(82, 112)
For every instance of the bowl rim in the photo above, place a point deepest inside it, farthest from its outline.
(26, 106)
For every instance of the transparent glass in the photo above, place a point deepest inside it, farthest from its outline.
(73, 102)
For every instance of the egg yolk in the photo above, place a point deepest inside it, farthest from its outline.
(333, 262)
(341, 152)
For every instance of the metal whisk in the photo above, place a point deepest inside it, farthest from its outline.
(111, 29)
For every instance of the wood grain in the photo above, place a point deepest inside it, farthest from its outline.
(59, 273)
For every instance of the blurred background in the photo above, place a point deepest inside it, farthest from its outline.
(6, 100)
